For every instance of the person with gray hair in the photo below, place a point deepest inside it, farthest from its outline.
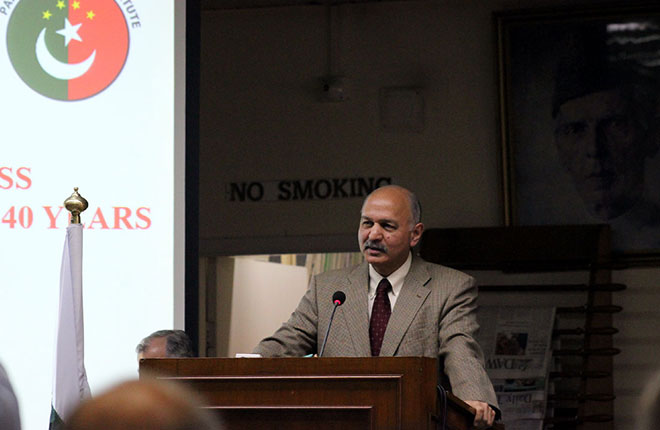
(9, 413)
(396, 304)
(165, 344)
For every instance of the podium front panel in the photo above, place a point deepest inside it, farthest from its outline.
(296, 393)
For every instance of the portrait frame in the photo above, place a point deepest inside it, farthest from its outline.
(540, 59)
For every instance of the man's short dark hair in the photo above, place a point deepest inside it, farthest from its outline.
(179, 344)
(415, 207)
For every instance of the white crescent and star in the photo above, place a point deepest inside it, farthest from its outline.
(55, 67)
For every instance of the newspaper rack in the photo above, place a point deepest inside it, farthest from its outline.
(582, 361)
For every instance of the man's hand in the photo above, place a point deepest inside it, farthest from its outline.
(484, 414)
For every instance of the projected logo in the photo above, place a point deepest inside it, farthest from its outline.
(68, 49)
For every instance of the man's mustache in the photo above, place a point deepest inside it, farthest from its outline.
(375, 246)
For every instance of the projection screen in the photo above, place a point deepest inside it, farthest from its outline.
(93, 96)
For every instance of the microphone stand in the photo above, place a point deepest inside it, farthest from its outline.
(325, 339)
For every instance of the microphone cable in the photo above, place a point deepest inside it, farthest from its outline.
(338, 299)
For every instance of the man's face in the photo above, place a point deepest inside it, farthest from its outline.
(386, 232)
(603, 148)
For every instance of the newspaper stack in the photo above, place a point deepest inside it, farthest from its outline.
(517, 347)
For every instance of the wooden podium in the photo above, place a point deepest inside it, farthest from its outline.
(319, 393)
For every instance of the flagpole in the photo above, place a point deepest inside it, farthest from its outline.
(70, 385)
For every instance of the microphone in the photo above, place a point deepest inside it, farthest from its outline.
(338, 299)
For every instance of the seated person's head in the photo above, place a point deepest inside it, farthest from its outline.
(142, 405)
(165, 344)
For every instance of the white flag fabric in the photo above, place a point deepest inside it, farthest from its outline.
(69, 378)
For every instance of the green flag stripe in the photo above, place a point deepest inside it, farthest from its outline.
(56, 422)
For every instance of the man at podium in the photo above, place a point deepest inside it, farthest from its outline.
(396, 304)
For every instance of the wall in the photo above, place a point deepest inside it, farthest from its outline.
(262, 119)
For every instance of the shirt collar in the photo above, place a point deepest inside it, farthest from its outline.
(396, 278)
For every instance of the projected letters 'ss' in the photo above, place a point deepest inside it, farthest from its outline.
(79, 49)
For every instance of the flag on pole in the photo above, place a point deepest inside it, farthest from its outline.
(69, 378)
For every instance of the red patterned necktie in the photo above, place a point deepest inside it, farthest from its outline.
(380, 315)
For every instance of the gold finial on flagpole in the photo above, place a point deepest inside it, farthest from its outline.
(75, 204)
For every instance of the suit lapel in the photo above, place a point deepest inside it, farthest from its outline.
(412, 296)
(355, 309)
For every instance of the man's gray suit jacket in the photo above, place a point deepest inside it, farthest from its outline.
(434, 316)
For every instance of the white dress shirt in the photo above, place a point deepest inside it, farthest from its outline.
(396, 280)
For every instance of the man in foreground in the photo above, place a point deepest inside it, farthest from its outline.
(396, 305)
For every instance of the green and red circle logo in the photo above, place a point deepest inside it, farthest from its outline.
(67, 49)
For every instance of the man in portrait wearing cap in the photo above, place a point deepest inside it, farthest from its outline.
(605, 110)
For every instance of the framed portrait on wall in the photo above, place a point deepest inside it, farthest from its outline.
(580, 121)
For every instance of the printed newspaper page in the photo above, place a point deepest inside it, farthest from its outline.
(516, 340)
(522, 402)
